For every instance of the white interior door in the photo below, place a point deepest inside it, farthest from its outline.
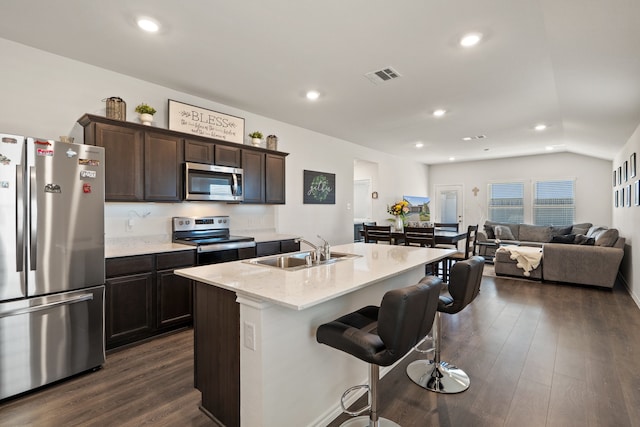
(449, 204)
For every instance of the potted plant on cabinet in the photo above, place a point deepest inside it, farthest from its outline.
(256, 138)
(145, 113)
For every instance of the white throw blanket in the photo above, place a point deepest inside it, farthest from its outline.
(527, 257)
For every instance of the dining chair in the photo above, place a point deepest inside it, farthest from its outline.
(447, 226)
(466, 253)
(424, 237)
(377, 233)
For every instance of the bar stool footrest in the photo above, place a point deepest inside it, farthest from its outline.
(346, 393)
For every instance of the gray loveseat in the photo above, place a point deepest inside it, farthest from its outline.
(581, 253)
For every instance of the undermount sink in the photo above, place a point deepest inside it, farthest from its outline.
(298, 260)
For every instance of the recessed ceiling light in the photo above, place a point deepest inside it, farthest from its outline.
(451, 159)
(419, 145)
(439, 112)
(540, 127)
(549, 148)
(148, 25)
(471, 39)
(467, 138)
(313, 95)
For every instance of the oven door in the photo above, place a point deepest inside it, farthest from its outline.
(210, 182)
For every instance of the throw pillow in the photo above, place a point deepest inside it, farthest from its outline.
(608, 238)
(557, 230)
(566, 238)
(534, 233)
(503, 233)
(581, 239)
(581, 228)
(488, 230)
(596, 230)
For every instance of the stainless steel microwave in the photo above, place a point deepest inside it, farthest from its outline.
(210, 182)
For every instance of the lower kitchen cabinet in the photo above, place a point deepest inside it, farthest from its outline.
(276, 247)
(145, 298)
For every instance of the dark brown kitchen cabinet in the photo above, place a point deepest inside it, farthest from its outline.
(123, 158)
(174, 293)
(227, 156)
(253, 176)
(144, 297)
(162, 167)
(145, 164)
(276, 247)
(198, 151)
(274, 179)
(212, 154)
(129, 308)
(264, 177)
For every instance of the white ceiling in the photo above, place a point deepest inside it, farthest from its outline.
(572, 64)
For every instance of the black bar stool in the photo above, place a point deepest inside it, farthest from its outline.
(464, 286)
(381, 336)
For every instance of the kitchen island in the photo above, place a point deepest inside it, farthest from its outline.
(257, 362)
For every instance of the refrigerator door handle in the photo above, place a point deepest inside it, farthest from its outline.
(19, 218)
(26, 310)
(33, 209)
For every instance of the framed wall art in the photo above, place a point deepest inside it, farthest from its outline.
(637, 193)
(632, 165)
(628, 196)
(615, 198)
(619, 175)
(625, 170)
(319, 188)
(615, 178)
(202, 122)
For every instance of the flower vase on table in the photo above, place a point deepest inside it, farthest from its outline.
(399, 210)
(399, 225)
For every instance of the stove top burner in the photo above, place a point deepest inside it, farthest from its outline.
(208, 233)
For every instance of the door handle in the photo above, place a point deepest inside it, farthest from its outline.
(33, 215)
(19, 218)
(28, 310)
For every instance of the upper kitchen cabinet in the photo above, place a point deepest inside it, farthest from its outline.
(123, 157)
(141, 164)
(211, 153)
(264, 179)
(145, 164)
(162, 167)
(274, 179)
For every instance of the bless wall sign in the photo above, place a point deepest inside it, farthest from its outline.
(202, 122)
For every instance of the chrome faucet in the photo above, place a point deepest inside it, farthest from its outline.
(321, 252)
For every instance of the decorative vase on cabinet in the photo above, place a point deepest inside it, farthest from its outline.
(146, 119)
(256, 142)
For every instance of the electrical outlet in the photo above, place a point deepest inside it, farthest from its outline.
(250, 335)
(128, 225)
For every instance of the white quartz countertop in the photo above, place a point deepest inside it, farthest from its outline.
(301, 289)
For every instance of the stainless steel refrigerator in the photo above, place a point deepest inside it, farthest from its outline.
(52, 270)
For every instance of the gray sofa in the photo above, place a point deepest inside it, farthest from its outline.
(581, 253)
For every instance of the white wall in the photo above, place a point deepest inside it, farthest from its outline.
(593, 182)
(43, 95)
(626, 219)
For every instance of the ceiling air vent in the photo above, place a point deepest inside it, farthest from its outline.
(382, 76)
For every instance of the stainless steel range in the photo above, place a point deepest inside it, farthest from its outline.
(212, 239)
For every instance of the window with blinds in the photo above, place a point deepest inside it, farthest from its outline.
(554, 202)
(506, 202)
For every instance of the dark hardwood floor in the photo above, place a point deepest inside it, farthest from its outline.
(537, 354)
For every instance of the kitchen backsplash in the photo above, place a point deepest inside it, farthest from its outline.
(153, 220)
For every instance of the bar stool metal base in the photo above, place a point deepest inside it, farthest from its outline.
(441, 377)
(364, 421)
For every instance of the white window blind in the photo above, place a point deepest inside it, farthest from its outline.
(554, 202)
(506, 202)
